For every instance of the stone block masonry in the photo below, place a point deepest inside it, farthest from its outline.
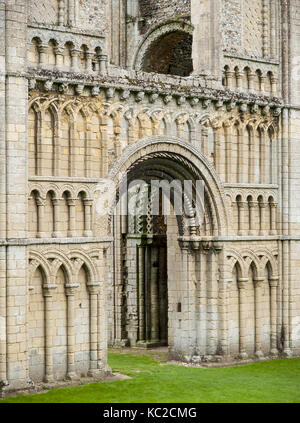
(161, 90)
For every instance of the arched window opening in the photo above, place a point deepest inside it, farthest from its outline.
(170, 55)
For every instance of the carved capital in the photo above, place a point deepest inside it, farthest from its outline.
(259, 282)
(194, 101)
(48, 85)
(242, 283)
(153, 97)
(125, 94)
(79, 89)
(274, 281)
(95, 91)
(110, 93)
(70, 289)
(167, 99)
(244, 108)
(140, 96)
(181, 100)
(93, 288)
(48, 290)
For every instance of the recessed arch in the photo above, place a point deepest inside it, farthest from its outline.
(177, 156)
(166, 49)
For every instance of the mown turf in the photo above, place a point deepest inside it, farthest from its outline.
(275, 381)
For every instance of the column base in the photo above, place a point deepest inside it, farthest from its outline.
(104, 369)
(287, 353)
(150, 344)
(72, 376)
(121, 343)
(4, 387)
(57, 235)
(30, 383)
(274, 352)
(88, 234)
(259, 355)
(95, 373)
(243, 356)
(49, 379)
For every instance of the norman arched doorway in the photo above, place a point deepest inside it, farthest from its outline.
(157, 258)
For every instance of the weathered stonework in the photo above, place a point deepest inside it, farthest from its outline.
(92, 90)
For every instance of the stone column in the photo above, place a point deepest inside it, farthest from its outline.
(274, 282)
(13, 189)
(148, 290)
(263, 83)
(218, 153)
(185, 245)
(43, 54)
(263, 158)
(3, 321)
(89, 58)
(41, 202)
(141, 290)
(103, 64)
(230, 76)
(56, 217)
(242, 223)
(204, 139)
(252, 217)
(59, 56)
(273, 37)
(203, 325)
(251, 157)
(102, 319)
(239, 80)
(70, 293)
(228, 152)
(242, 285)
(212, 303)
(71, 13)
(88, 218)
(266, 28)
(61, 12)
(258, 316)
(74, 55)
(72, 217)
(163, 295)
(251, 77)
(207, 40)
(223, 300)
(154, 296)
(48, 291)
(263, 208)
(243, 152)
(274, 82)
(93, 291)
(273, 211)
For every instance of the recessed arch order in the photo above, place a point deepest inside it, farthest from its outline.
(179, 160)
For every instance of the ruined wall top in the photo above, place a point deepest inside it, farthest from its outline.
(153, 12)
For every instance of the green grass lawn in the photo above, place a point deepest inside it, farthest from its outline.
(275, 381)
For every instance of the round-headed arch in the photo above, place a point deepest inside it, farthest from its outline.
(166, 49)
(179, 160)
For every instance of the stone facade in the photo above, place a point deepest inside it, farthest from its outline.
(91, 90)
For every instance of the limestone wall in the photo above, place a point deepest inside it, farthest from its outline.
(153, 12)
(74, 115)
